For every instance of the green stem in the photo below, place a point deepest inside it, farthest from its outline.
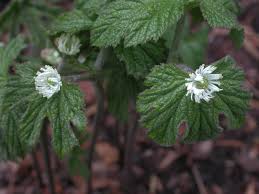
(173, 56)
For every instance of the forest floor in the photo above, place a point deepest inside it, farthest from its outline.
(226, 165)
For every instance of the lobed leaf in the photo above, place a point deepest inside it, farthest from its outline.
(135, 21)
(90, 7)
(164, 106)
(9, 54)
(218, 14)
(62, 109)
(70, 22)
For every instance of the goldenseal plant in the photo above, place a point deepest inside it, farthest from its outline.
(203, 83)
(48, 81)
(140, 55)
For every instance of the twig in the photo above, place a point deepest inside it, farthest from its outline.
(173, 52)
(37, 169)
(129, 149)
(198, 180)
(44, 141)
(96, 129)
(100, 60)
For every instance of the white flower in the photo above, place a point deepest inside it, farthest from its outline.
(51, 56)
(47, 81)
(68, 44)
(202, 84)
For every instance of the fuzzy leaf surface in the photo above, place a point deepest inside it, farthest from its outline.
(70, 22)
(9, 53)
(62, 109)
(135, 21)
(139, 60)
(164, 106)
(218, 13)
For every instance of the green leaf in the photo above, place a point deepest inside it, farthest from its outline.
(164, 106)
(237, 35)
(14, 99)
(135, 21)
(232, 6)
(31, 17)
(9, 54)
(90, 7)
(10, 145)
(70, 22)
(193, 47)
(140, 59)
(17, 92)
(76, 163)
(32, 121)
(14, 95)
(217, 13)
(121, 88)
(62, 109)
(79, 121)
(7, 13)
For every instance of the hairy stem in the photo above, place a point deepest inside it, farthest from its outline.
(37, 169)
(96, 129)
(46, 152)
(173, 56)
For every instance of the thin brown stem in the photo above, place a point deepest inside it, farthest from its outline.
(129, 147)
(46, 152)
(99, 63)
(37, 169)
(96, 129)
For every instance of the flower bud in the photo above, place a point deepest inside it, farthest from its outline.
(68, 44)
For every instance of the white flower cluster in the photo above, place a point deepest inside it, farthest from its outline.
(202, 84)
(47, 81)
(68, 44)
